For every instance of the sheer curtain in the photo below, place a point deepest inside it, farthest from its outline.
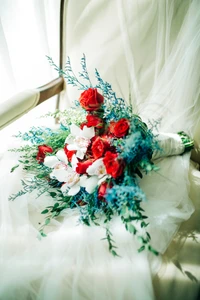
(29, 30)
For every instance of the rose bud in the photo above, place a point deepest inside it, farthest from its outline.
(42, 150)
(94, 121)
(113, 165)
(99, 147)
(82, 166)
(120, 128)
(91, 100)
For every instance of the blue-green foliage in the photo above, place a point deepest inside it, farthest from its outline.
(124, 195)
(36, 134)
(114, 108)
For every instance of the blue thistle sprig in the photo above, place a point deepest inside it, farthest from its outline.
(34, 135)
(71, 78)
(114, 108)
(69, 74)
(84, 74)
(131, 212)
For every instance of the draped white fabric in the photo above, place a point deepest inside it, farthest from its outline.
(29, 30)
(142, 47)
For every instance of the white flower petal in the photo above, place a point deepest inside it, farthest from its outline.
(62, 156)
(51, 161)
(69, 140)
(80, 154)
(83, 180)
(88, 132)
(64, 189)
(97, 168)
(91, 170)
(75, 130)
(60, 175)
(74, 190)
(74, 162)
(103, 179)
(72, 147)
(90, 183)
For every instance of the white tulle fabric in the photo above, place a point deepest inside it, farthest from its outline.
(150, 52)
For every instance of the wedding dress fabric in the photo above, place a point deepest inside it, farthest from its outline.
(150, 52)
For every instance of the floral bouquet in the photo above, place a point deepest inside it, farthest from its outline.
(93, 161)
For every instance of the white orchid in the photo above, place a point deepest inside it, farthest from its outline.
(97, 173)
(58, 163)
(71, 181)
(63, 172)
(89, 183)
(97, 168)
(53, 160)
(79, 139)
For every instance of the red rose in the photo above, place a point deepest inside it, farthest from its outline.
(114, 166)
(94, 121)
(99, 147)
(69, 153)
(119, 128)
(103, 189)
(42, 150)
(82, 166)
(91, 100)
